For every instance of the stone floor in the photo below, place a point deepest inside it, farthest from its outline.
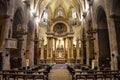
(59, 66)
(59, 72)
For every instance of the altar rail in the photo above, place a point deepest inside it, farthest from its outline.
(23, 74)
(97, 75)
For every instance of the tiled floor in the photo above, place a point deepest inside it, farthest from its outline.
(59, 72)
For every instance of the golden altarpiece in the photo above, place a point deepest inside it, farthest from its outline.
(60, 41)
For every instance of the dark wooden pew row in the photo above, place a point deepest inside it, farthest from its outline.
(104, 75)
(7, 76)
(23, 71)
(23, 74)
(71, 71)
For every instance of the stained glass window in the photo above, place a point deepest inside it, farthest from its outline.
(60, 13)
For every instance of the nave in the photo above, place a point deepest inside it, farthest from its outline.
(59, 72)
(39, 39)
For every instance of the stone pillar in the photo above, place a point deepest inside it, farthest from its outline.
(23, 49)
(48, 47)
(77, 50)
(42, 50)
(55, 47)
(31, 53)
(112, 36)
(82, 52)
(51, 48)
(9, 18)
(71, 44)
(87, 52)
(31, 49)
(95, 35)
(83, 45)
(24, 43)
(64, 47)
(68, 54)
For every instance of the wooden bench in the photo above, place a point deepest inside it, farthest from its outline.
(111, 75)
(24, 74)
(72, 72)
(6, 76)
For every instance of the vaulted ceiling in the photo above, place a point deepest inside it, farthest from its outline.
(53, 5)
(38, 6)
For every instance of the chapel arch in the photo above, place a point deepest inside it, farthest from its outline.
(16, 32)
(103, 38)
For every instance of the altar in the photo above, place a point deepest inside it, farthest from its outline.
(60, 57)
(60, 61)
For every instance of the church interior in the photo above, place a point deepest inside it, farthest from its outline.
(67, 36)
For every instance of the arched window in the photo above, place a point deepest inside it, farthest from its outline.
(45, 14)
(74, 16)
(60, 13)
(45, 17)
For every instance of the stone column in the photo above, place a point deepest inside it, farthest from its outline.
(95, 35)
(55, 47)
(77, 50)
(51, 48)
(24, 43)
(42, 50)
(82, 50)
(71, 44)
(68, 54)
(42, 53)
(64, 47)
(31, 53)
(23, 49)
(112, 36)
(9, 18)
(87, 52)
(48, 47)
(31, 49)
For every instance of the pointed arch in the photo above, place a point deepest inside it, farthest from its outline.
(103, 38)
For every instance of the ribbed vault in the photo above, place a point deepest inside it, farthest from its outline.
(54, 5)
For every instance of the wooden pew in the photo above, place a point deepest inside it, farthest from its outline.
(24, 74)
(111, 75)
(72, 72)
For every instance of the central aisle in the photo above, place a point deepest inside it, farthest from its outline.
(59, 72)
